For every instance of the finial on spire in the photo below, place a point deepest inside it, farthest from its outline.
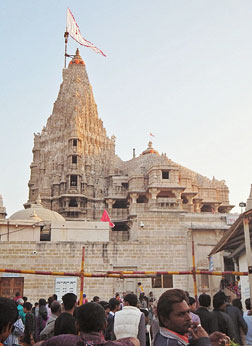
(77, 59)
(38, 200)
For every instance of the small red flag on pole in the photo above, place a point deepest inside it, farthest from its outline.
(106, 218)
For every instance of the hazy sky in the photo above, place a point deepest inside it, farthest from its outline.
(179, 69)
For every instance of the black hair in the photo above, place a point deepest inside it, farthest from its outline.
(139, 283)
(247, 303)
(205, 300)
(191, 301)
(42, 302)
(218, 300)
(166, 301)
(28, 306)
(237, 302)
(91, 317)
(104, 304)
(96, 299)
(8, 313)
(17, 294)
(55, 296)
(113, 303)
(25, 299)
(131, 298)
(145, 312)
(69, 300)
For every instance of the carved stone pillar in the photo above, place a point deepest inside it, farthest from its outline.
(110, 202)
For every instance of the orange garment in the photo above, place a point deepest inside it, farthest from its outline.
(183, 337)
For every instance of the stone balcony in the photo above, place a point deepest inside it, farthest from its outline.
(119, 214)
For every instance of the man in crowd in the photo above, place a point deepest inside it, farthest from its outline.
(224, 321)
(209, 323)
(130, 321)
(114, 306)
(65, 323)
(238, 322)
(48, 331)
(8, 316)
(90, 323)
(248, 319)
(175, 322)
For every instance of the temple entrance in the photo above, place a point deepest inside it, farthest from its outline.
(10, 285)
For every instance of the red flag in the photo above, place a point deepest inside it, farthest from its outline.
(105, 218)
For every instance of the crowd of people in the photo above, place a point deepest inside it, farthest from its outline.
(175, 319)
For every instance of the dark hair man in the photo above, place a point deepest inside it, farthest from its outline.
(224, 321)
(175, 322)
(209, 323)
(248, 319)
(48, 331)
(238, 322)
(130, 321)
(65, 323)
(96, 299)
(8, 316)
(91, 322)
(114, 306)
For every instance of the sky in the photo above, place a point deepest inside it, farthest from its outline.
(178, 69)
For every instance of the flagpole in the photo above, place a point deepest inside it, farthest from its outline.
(66, 40)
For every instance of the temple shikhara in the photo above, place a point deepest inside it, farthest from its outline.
(159, 207)
(76, 172)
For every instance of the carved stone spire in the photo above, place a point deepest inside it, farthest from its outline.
(72, 150)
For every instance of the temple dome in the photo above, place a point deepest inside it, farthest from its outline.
(37, 213)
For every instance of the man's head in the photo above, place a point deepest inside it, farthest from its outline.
(205, 300)
(25, 299)
(27, 307)
(17, 294)
(247, 303)
(173, 311)
(219, 301)
(192, 304)
(69, 301)
(91, 318)
(42, 302)
(139, 283)
(8, 316)
(130, 299)
(96, 299)
(114, 304)
(105, 306)
(55, 307)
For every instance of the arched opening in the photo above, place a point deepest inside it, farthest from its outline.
(184, 200)
(73, 203)
(166, 194)
(206, 209)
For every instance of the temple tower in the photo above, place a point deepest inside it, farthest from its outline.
(72, 156)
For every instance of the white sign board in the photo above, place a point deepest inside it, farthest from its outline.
(65, 285)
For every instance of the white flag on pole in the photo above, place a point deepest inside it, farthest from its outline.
(74, 31)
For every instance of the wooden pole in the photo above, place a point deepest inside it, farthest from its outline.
(82, 276)
(248, 252)
(194, 273)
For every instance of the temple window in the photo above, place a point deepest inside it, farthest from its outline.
(74, 142)
(73, 203)
(162, 281)
(74, 159)
(165, 174)
(73, 180)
